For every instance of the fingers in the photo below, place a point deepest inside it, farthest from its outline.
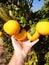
(13, 41)
(34, 42)
(26, 42)
(29, 43)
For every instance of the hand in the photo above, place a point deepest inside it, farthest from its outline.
(21, 49)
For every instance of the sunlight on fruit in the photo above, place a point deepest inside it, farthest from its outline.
(43, 27)
(11, 27)
(33, 37)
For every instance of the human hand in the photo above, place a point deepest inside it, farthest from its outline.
(21, 49)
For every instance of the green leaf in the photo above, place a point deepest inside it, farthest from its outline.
(30, 22)
(32, 29)
(23, 20)
(47, 57)
(46, 64)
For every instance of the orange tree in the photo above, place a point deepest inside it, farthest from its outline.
(20, 10)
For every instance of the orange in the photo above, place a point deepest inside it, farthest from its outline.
(21, 36)
(11, 27)
(33, 37)
(43, 27)
(0, 33)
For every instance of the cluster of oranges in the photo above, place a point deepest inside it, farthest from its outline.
(12, 27)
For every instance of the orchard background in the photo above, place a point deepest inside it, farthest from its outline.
(20, 10)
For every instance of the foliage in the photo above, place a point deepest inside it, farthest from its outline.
(47, 58)
(32, 58)
(44, 12)
(21, 10)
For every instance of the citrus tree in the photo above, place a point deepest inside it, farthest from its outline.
(20, 10)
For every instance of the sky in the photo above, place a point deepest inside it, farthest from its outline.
(37, 5)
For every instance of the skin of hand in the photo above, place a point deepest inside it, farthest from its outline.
(21, 50)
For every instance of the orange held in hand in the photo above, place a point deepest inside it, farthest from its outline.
(32, 34)
(33, 37)
(43, 27)
(21, 36)
(11, 27)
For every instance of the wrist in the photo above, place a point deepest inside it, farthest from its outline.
(19, 59)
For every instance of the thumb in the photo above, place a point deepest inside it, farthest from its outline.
(34, 42)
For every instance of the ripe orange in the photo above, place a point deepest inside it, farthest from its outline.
(0, 33)
(43, 27)
(21, 36)
(11, 27)
(33, 37)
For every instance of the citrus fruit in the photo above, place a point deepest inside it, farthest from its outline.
(43, 27)
(21, 36)
(11, 27)
(0, 33)
(33, 37)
